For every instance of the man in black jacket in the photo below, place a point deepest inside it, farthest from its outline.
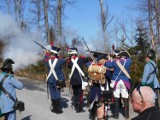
(143, 102)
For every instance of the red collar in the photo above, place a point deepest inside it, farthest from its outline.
(53, 57)
(74, 57)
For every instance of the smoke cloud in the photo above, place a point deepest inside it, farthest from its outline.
(19, 44)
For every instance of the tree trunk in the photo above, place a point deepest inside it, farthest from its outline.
(45, 4)
(8, 6)
(103, 22)
(157, 21)
(59, 13)
(151, 24)
(38, 14)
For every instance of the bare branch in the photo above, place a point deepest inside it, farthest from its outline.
(110, 21)
(70, 2)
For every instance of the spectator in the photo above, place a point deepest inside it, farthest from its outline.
(101, 112)
(10, 84)
(143, 102)
(150, 72)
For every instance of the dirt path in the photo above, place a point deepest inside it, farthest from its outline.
(38, 105)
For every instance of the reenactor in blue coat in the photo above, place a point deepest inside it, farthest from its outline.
(10, 84)
(77, 75)
(120, 81)
(55, 78)
(97, 87)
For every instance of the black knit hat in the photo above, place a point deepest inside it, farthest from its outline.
(7, 65)
(151, 54)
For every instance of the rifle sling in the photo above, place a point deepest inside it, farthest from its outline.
(154, 71)
(123, 69)
(4, 90)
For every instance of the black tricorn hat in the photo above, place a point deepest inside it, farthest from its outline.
(101, 56)
(124, 53)
(116, 52)
(98, 54)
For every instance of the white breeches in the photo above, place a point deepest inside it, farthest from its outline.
(121, 89)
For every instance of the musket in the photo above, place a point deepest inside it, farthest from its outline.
(40, 45)
(92, 57)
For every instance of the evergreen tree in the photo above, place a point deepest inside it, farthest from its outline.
(141, 38)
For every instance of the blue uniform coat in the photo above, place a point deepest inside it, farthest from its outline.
(122, 76)
(58, 70)
(54, 92)
(76, 78)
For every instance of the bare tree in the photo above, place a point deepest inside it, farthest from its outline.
(8, 6)
(151, 9)
(59, 14)
(104, 19)
(157, 9)
(19, 12)
(151, 19)
(37, 11)
(125, 32)
(45, 5)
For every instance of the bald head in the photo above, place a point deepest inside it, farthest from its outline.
(142, 98)
(147, 94)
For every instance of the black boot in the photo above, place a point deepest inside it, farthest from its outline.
(156, 103)
(77, 107)
(126, 107)
(93, 111)
(156, 100)
(92, 114)
(52, 106)
(81, 107)
(116, 108)
(57, 106)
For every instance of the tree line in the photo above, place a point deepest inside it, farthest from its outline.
(47, 16)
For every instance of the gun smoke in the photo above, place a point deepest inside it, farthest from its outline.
(19, 44)
(20, 47)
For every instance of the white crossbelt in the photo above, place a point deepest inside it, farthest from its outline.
(75, 65)
(123, 69)
(52, 66)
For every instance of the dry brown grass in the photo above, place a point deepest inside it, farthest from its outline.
(31, 75)
(2, 118)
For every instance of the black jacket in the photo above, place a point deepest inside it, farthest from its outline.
(152, 113)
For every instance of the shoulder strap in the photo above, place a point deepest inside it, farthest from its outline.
(4, 90)
(154, 71)
(75, 65)
(52, 66)
(123, 69)
(155, 68)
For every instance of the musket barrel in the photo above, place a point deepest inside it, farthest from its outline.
(89, 51)
(40, 45)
